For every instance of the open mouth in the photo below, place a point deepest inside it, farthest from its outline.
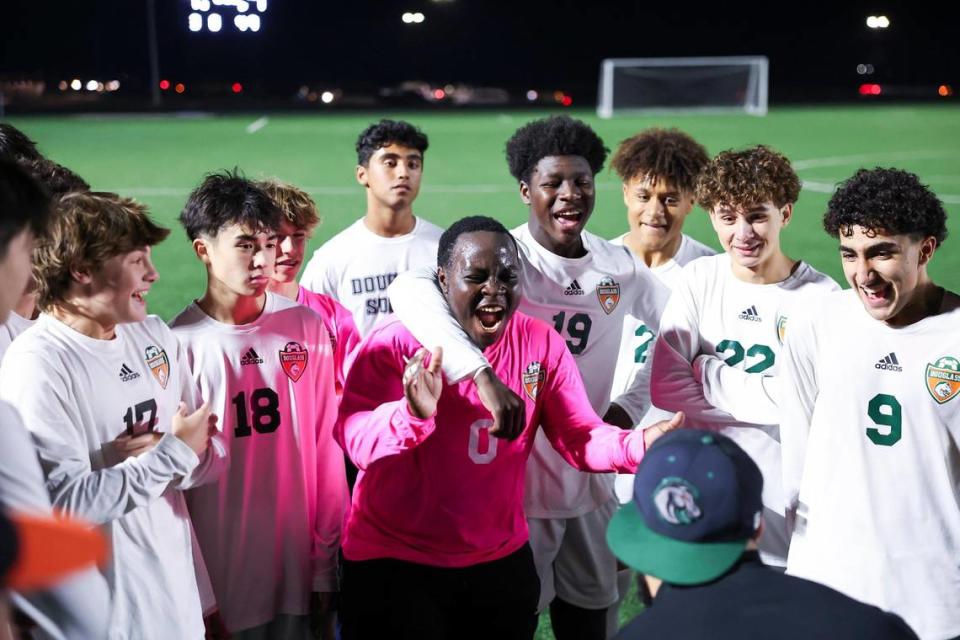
(568, 218)
(140, 296)
(490, 317)
(878, 295)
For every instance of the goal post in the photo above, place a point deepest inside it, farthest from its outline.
(704, 84)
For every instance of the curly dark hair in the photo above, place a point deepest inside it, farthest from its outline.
(553, 136)
(387, 132)
(227, 198)
(889, 200)
(24, 204)
(16, 145)
(58, 179)
(748, 176)
(664, 154)
(469, 224)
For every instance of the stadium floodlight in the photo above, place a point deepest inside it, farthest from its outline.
(705, 84)
(878, 22)
(214, 22)
(195, 22)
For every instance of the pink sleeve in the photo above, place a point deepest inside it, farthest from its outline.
(348, 339)
(575, 430)
(373, 423)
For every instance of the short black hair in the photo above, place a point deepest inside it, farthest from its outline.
(889, 200)
(24, 204)
(57, 179)
(226, 198)
(553, 136)
(470, 224)
(16, 145)
(387, 132)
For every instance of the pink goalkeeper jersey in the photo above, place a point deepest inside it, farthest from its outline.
(344, 336)
(442, 491)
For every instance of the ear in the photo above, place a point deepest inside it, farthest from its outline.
(202, 250)
(787, 212)
(362, 175)
(525, 193)
(927, 247)
(442, 280)
(81, 275)
(624, 186)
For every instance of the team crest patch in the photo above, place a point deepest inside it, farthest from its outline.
(293, 359)
(781, 328)
(943, 379)
(156, 359)
(533, 377)
(676, 501)
(608, 290)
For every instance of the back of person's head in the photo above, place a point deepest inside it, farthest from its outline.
(661, 154)
(553, 136)
(227, 198)
(58, 179)
(747, 177)
(24, 204)
(16, 145)
(297, 206)
(890, 201)
(470, 224)
(697, 502)
(86, 230)
(388, 132)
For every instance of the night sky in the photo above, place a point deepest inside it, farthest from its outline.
(364, 45)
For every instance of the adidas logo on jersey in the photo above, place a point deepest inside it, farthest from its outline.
(127, 374)
(889, 362)
(251, 357)
(750, 314)
(574, 289)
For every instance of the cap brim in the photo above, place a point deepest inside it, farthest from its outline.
(50, 549)
(673, 561)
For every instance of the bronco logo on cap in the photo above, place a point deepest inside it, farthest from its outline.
(156, 359)
(608, 290)
(676, 501)
(293, 359)
(943, 379)
(532, 378)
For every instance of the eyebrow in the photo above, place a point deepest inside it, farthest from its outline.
(251, 238)
(393, 156)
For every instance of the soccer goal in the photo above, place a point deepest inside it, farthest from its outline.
(711, 84)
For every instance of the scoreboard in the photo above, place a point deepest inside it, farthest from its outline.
(214, 16)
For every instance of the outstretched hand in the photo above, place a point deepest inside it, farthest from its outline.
(422, 385)
(657, 429)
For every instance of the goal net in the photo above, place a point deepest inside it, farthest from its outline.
(642, 85)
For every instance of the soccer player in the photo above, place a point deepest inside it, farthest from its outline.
(299, 220)
(270, 528)
(355, 266)
(871, 419)
(436, 542)
(716, 356)
(104, 390)
(585, 288)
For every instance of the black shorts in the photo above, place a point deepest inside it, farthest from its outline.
(389, 598)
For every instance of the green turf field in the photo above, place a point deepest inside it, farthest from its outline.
(158, 159)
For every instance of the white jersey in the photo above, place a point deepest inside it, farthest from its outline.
(638, 338)
(78, 607)
(14, 326)
(871, 455)
(717, 330)
(76, 395)
(586, 300)
(270, 528)
(356, 266)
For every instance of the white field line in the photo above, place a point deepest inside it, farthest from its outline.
(257, 124)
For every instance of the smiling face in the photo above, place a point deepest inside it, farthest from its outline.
(656, 210)
(480, 284)
(116, 292)
(560, 194)
(392, 176)
(291, 246)
(886, 271)
(241, 260)
(751, 234)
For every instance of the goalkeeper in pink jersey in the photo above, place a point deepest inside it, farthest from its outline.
(436, 542)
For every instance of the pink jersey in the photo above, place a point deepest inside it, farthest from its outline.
(442, 491)
(340, 325)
